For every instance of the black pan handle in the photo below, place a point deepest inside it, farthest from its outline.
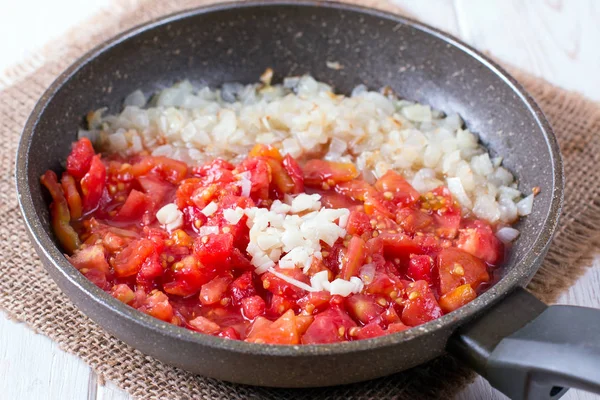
(528, 350)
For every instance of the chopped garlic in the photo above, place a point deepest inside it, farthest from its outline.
(210, 209)
(170, 217)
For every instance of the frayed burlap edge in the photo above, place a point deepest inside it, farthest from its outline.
(28, 294)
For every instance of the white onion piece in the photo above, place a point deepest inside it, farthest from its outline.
(525, 206)
(136, 99)
(458, 191)
(367, 273)
(507, 234)
(208, 230)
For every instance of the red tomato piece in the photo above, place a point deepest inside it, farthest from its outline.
(281, 182)
(229, 333)
(123, 293)
(413, 221)
(354, 258)
(314, 302)
(90, 258)
(457, 267)
(242, 287)
(457, 298)
(72, 195)
(359, 223)
(295, 173)
(420, 268)
(281, 331)
(479, 240)
(268, 151)
(214, 250)
(158, 306)
(396, 188)
(188, 276)
(369, 331)
(129, 261)
(80, 159)
(363, 308)
(151, 269)
(135, 206)
(260, 177)
(317, 172)
(171, 170)
(59, 211)
(215, 290)
(280, 287)
(92, 184)
(330, 326)
(399, 245)
(204, 325)
(253, 306)
(278, 305)
(421, 305)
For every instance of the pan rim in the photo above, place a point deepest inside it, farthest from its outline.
(519, 275)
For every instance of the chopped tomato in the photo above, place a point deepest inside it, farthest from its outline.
(263, 150)
(330, 326)
(396, 188)
(92, 257)
(280, 287)
(317, 172)
(282, 331)
(129, 261)
(354, 258)
(420, 268)
(369, 331)
(92, 184)
(135, 206)
(215, 290)
(157, 305)
(457, 267)
(420, 306)
(295, 173)
(314, 302)
(457, 297)
(214, 250)
(204, 325)
(253, 306)
(413, 220)
(363, 308)
(123, 293)
(80, 159)
(72, 195)
(359, 223)
(479, 240)
(59, 210)
(242, 287)
(188, 276)
(171, 170)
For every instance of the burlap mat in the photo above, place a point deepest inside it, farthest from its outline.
(28, 294)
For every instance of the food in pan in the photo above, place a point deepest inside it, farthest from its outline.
(284, 214)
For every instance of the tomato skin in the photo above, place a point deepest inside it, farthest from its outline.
(80, 159)
(295, 173)
(318, 171)
(61, 216)
(129, 261)
(92, 184)
(420, 306)
(72, 195)
(369, 331)
(229, 333)
(457, 267)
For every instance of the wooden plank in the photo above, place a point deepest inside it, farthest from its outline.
(557, 40)
(33, 367)
(437, 13)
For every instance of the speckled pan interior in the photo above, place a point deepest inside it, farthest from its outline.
(236, 42)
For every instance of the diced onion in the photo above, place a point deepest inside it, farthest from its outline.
(210, 209)
(458, 191)
(507, 234)
(208, 230)
(525, 206)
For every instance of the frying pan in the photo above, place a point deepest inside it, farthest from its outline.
(523, 347)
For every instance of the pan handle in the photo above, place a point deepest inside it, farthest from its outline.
(528, 350)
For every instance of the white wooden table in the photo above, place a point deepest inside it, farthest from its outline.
(551, 38)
